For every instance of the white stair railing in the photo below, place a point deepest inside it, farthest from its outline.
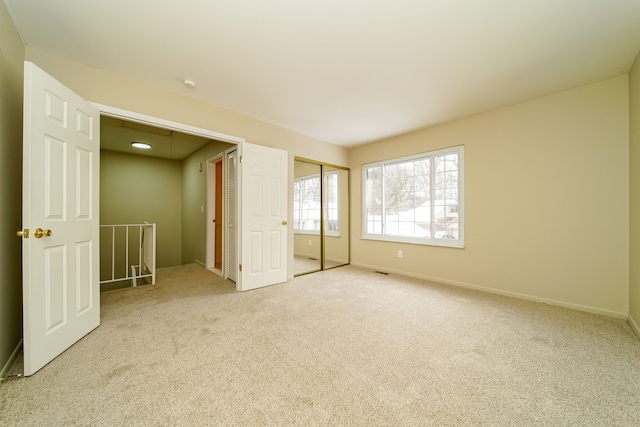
(132, 265)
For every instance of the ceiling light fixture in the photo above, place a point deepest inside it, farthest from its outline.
(190, 84)
(142, 145)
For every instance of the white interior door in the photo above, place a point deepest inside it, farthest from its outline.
(61, 288)
(264, 216)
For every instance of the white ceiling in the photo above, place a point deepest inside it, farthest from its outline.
(345, 71)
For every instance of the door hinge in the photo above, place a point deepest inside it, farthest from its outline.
(23, 233)
(240, 159)
(240, 267)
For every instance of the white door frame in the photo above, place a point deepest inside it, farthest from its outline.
(132, 116)
(184, 128)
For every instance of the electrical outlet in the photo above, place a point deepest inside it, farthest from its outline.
(309, 242)
(201, 208)
(400, 254)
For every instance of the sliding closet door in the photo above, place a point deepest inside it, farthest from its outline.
(320, 216)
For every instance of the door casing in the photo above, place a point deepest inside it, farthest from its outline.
(131, 116)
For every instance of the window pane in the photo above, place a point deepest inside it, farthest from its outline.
(446, 207)
(297, 205)
(451, 162)
(406, 192)
(439, 189)
(373, 200)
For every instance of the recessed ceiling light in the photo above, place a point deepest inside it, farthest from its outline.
(143, 145)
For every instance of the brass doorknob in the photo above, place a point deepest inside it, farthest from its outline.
(284, 222)
(39, 232)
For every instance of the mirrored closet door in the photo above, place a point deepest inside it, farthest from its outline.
(320, 216)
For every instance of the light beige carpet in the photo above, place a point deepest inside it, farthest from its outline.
(345, 347)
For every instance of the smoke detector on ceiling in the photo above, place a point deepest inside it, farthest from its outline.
(190, 84)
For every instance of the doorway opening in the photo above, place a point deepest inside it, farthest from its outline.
(166, 184)
(215, 214)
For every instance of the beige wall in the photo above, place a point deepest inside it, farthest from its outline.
(135, 189)
(634, 191)
(546, 200)
(194, 197)
(11, 93)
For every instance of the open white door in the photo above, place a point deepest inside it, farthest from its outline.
(264, 216)
(61, 284)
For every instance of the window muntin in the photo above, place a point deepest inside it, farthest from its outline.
(415, 199)
(306, 204)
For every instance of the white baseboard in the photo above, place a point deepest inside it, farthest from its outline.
(11, 360)
(200, 263)
(634, 325)
(586, 308)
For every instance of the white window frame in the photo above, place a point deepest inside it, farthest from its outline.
(432, 240)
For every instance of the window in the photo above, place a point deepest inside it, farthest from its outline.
(306, 204)
(417, 199)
